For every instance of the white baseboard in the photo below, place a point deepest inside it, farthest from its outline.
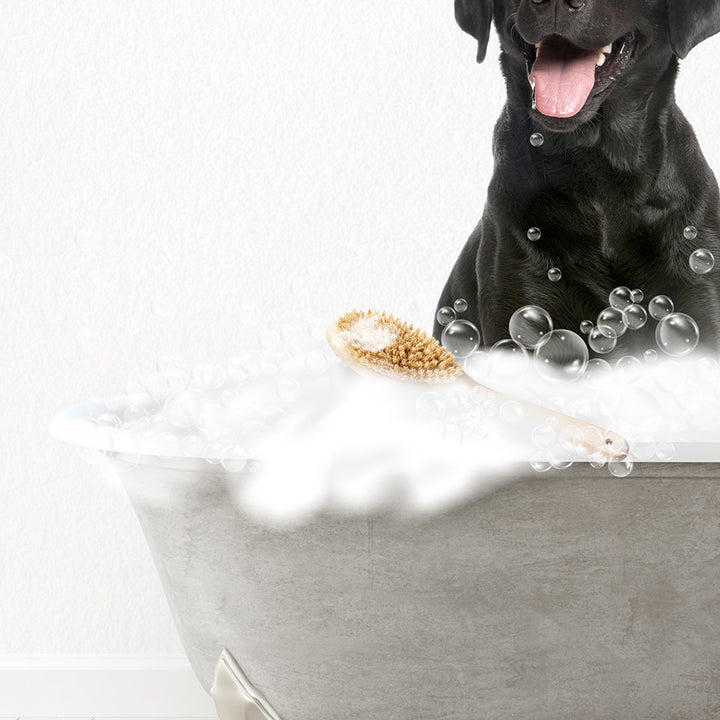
(101, 686)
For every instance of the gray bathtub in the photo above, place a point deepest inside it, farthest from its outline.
(565, 595)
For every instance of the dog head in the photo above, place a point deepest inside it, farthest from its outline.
(569, 56)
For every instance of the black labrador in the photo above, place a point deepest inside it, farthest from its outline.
(615, 179)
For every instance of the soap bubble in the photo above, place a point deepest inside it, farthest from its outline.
(629, 368)
(511, 412)
(637, 295)
(460, 338)
(460, 305)
(601, 343)
(509, 359)
(544, 436)
(562, 357)
(677, 334)
(554, 274)
(478, 364)
(650, 355)
(664, 451)
(690, 232)
(586, 327)
(540, 463)
(534, 234)
(610, 322)
(702, 261)
(634, 316)
(183, 408)
(660, 306)
(620, 468)
(530, 325)
(620, 297)
(234, 459)
(598, 373)
(445, 315)
(537, 139)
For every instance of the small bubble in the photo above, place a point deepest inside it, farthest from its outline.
(544, 436)
(134, 414)
(650, 356)
(509, 359)
(637, 295)
(586, 327)
(534, 234)
(702, 261)
(634, 316)
(183, 408)
(460, 305)
(677, 334)
(601, 343)
(664, 451)
(562, 358)
(540, 463)
(460, 338)
(477, 364)
(511, 412)
(629, 368)
(620, 468)
(234, 459)
(288, 389)
(561, 456)
(530, 326)
(610, 322)
(445, 315)
(537, 139)
(554, 274)
(690, 232)
(620, 297)
(643, 448)
(598, 373)
(660, 306)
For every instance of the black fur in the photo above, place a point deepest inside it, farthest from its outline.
(611, 188)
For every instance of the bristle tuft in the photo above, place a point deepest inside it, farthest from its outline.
(401, 351)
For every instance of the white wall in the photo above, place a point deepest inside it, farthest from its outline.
(169, 168)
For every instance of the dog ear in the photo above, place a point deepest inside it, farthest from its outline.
(690, 22)
(475, 18)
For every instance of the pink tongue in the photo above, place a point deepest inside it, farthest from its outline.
(564, 76)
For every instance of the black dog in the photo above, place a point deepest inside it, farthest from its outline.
(616, 180)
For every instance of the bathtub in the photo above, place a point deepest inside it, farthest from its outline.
(571, 594)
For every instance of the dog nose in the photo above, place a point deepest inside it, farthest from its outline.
(570, 4)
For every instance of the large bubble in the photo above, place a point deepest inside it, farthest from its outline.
(677, 334)
(562, 357)
(530, 326)
(460, 338)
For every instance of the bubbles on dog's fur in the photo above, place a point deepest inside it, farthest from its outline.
(690, 232)
(660, 306)
(554, 274)
(460, 338)
(534, 234)
(702, 261)
(445, 315)
(537, 139)
(530, 326)
(677, 334)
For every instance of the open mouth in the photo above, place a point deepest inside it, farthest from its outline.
(563, 76)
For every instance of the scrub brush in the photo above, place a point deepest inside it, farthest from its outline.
(377, 343)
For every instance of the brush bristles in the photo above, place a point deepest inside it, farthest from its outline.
(408, 353)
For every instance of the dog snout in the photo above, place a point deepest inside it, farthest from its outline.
(539, 18)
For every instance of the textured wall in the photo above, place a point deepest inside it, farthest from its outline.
(169, 168)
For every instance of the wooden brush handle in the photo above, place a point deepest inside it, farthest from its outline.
(581, 434)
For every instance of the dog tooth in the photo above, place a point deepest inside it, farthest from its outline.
(600, 61)
(607, 49)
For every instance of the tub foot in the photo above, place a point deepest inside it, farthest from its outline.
(235, 698)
